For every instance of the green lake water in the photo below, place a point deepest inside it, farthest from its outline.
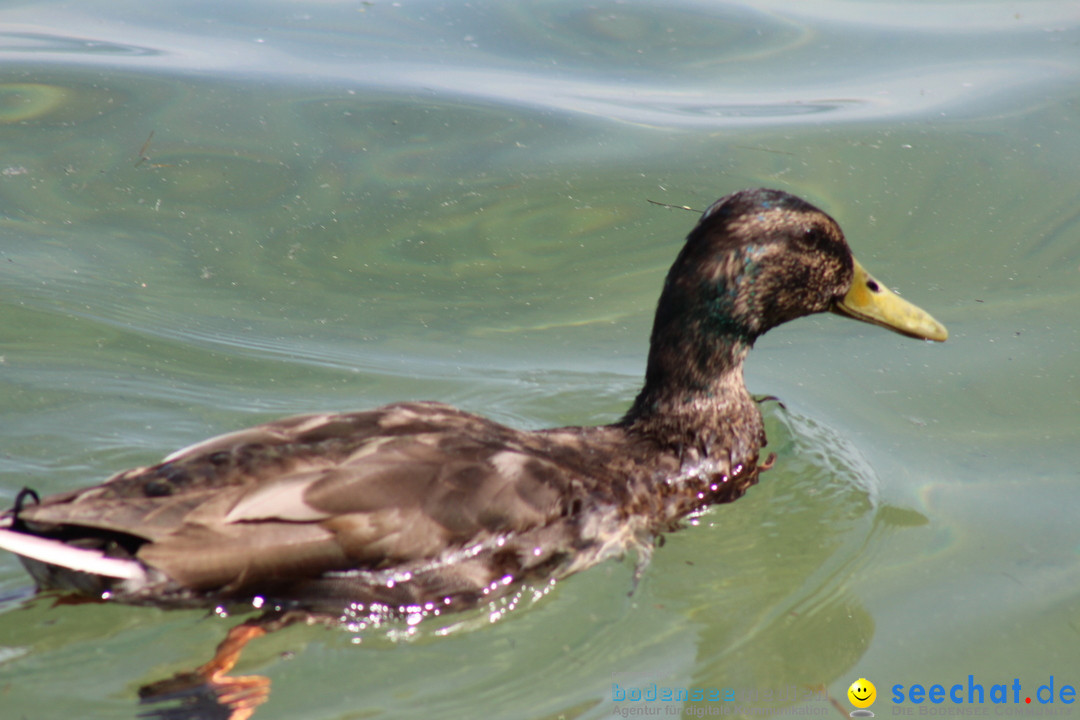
(214, 216)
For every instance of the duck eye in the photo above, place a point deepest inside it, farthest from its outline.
(872, 284)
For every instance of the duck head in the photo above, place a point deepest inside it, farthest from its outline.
(755, 260)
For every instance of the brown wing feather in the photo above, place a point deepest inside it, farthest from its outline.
(316, 493)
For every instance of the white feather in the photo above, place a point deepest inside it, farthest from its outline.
(54, 552)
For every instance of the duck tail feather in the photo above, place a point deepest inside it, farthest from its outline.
(55, 552)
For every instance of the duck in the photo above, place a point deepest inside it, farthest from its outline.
(420, 505)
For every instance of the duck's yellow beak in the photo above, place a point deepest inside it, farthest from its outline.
(870, 301)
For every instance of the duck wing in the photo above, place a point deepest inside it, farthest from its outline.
(314, 494)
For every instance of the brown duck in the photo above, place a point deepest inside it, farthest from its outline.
(422, 506)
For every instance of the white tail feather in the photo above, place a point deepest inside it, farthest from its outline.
(54, 552)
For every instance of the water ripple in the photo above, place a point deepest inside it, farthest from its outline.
(33, 43)
(704, 66)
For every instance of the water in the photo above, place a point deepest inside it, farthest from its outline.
(215, 216)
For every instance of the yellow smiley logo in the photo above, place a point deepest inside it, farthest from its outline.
(862, 693)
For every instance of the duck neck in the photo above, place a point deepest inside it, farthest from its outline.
(694, 399)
